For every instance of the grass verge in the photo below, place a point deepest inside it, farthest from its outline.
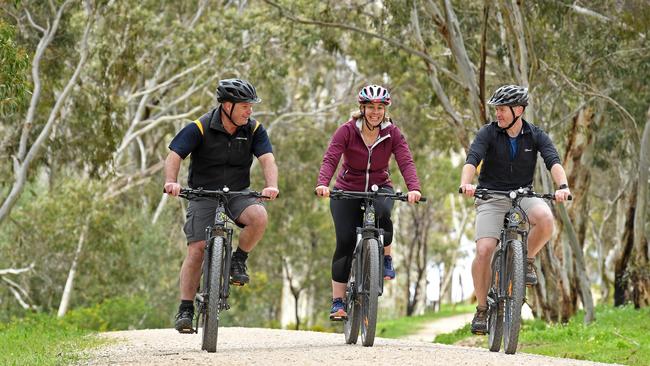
(396, 328)
(619, 335)
(43, 340)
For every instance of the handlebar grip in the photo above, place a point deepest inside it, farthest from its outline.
(423, 199)
(460, 190)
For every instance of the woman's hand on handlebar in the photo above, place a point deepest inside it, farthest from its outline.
(322, 191)
(172, 188)
(413, 196)
(467, 189)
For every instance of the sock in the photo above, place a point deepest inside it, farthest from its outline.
(186, 304)
(241, 254)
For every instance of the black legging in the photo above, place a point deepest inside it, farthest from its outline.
(347, 216)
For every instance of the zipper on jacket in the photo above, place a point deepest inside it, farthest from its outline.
(370, 156)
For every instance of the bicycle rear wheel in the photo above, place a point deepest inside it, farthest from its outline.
(370, 293)
(213, 284)
(515, 290)
(495, 311)
(351, 324)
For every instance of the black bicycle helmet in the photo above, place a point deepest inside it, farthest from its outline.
(510, 95)
(237, 91)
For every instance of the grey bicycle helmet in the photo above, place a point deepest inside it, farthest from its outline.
(237, 91)
(510, 95)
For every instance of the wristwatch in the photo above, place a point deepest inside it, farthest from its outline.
(563, 186)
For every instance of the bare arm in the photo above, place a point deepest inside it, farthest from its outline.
(270, 170)
(559, 177)
(466, 178)
(172, 167)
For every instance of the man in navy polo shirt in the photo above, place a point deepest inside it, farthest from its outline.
(221, 145)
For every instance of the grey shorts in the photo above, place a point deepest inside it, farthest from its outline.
(490, 214)
(200, 214)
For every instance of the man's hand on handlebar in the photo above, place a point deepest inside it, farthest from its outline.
(172, 188)
(467, 189)
(271, 193)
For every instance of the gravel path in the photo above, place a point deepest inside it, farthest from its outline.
(444, 325)
(255, 346)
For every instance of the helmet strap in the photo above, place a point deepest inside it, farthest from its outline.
(229, 115)
(514, 119)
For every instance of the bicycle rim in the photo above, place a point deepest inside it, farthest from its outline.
(515, 290)
(370, 296)
(211, 315)
(495, 311)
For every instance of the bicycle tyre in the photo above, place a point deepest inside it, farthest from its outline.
(353, 321)
(495, 314)
(211, 315)
(515, 291)
(371, 288)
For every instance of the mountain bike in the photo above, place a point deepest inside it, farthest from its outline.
(212, 295)
(366, 282)
(508, 289)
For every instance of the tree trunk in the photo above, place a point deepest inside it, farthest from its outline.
(640, 276)
(67, 290)
(624, 252)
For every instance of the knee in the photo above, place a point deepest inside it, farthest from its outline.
(484, 249)
(258, 217)
(545, 221)
(195, 251)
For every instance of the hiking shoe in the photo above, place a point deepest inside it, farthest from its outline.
(531, 273)
(338, 310)
(238, 275)
(479, 323)
(389, 271)
(184, 320)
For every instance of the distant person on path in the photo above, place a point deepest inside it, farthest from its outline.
(366, 143)
(507, 151)
(221, 145)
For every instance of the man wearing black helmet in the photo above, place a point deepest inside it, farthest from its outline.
(221, 145)
(507, 151)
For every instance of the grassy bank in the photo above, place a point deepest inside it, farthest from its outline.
(42, 340)
(619, 335)
(396, 328)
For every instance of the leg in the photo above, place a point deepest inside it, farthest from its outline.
(541, 222)
(481, 271)
(254, 219)
(383, 208)
(191, 270)
(347, 216)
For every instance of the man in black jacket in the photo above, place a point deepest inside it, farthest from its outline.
(221, 144)
(507, 153)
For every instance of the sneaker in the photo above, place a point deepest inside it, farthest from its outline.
(479, 323)
(531, 273)
(389, 271)
(238, 275)
(338, 310)
(184, 320)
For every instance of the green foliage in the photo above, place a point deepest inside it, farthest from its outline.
(120, 313)
(13, 71)
(40, 339)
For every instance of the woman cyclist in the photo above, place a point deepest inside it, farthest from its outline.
(366, 143)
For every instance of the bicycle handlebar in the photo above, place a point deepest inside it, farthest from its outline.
(189, 193)
(485, 194)
(399, 196)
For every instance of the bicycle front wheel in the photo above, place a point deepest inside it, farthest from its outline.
(515, 289)
(213, 285)
(370, 291)
(351, 324)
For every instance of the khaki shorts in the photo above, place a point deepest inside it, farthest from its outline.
(490, 214)
(200, 214)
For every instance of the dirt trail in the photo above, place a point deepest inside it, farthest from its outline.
(255, 346)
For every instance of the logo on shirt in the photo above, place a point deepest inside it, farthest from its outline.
(528, 150)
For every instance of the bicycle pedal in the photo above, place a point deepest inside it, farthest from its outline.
(237, 283)
(187, 331)
(338, 318)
